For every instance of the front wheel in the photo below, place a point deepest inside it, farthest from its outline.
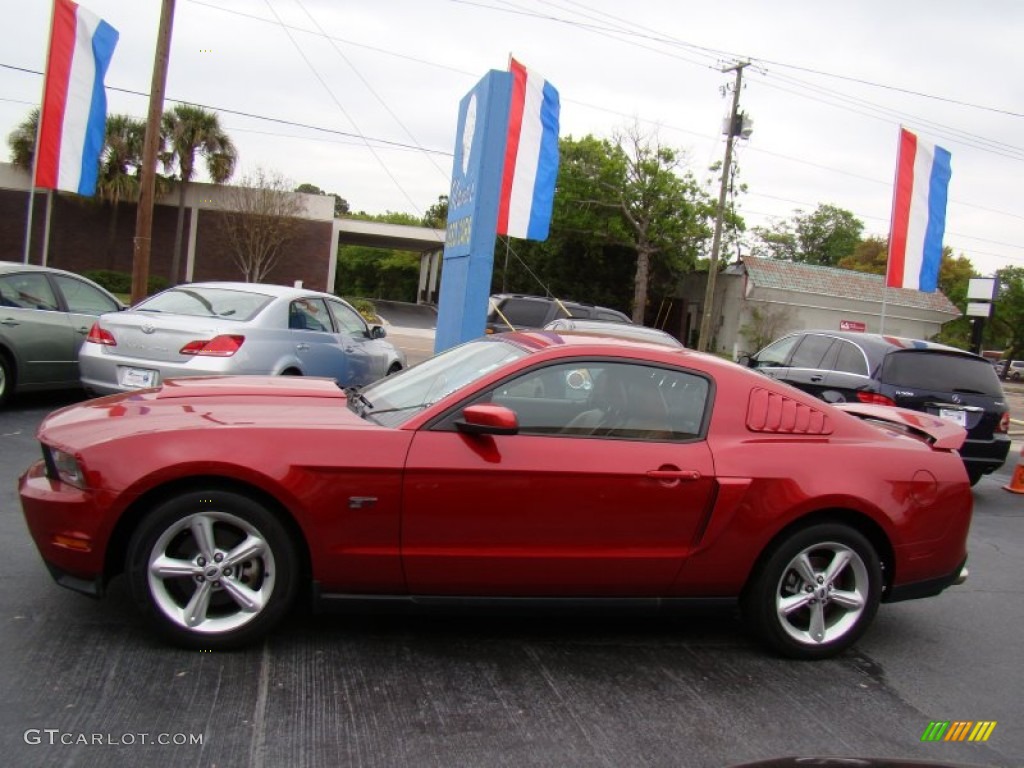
(212, 569)
(6, 379)
(816, 592)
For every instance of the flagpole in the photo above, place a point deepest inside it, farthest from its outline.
(892, 216)
(39, 131)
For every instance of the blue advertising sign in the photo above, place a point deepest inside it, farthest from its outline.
(473, 211)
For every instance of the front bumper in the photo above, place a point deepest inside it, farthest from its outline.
(69, 527)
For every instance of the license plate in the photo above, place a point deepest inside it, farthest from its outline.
(954, 415)
(137, 377)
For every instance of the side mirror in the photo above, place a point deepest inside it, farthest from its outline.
(377, 332)
(488, 420)
(745, 360)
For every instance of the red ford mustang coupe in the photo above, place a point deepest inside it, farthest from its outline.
(545, 468)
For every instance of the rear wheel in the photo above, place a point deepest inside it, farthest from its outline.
(816, 593)
(212, 569)
(395, 368)
(974, 475)
(6, 378)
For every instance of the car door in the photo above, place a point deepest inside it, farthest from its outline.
(809, 363)
(321, 350)
(84, 302)
(847, 374)
(773, 360)
(33, 325)
(367, 357)
(545, 513)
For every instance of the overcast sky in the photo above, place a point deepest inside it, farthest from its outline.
(829, 86)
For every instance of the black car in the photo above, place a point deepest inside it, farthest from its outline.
(516, 311)
(924, 376)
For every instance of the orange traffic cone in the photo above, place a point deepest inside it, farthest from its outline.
(1017, 481)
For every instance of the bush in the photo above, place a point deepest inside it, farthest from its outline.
(121, 282)
(366, 308)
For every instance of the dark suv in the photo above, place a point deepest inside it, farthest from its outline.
(921, 375)
(523, 311)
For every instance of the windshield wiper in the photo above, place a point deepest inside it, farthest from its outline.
(357, 397)
(401, 408)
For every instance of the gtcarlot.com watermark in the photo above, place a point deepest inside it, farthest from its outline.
(57, 737)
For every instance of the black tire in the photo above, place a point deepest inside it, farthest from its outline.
(267, 577)
(6, 379)
(395, 368)
(780, 610)
(974, 475)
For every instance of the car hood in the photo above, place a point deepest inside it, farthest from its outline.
(204, 402)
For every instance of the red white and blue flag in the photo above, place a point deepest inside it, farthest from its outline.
(531, 157)
(74, 112)
(918, 214)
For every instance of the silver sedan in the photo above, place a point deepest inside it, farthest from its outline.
(200, 329)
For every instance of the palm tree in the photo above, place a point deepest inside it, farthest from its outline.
(22, 141)
(188, 130)
(120, 168)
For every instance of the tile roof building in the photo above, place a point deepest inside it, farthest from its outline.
(758, 300)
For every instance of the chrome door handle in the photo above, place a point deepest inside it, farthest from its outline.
(302, 347)
(817, 378)
(9, 321)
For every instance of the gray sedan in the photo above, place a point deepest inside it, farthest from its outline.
(45, 314)
(202, 329)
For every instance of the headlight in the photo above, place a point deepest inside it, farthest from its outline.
(64, 466)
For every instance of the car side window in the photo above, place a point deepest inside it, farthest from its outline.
(776, 353)
(347, 319)
(850, 359)
(28, 290)
(606, 400)
(308, 315)
(82, 298)
(811, 352)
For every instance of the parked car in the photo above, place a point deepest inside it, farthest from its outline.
(1014, 371)
(520, 468)
(516, 311)
(45, 314)
(920, 375)
(613, 328)
(201, 329)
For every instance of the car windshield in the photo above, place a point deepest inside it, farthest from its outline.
(207, 302)
(395, 399)
(940, 372)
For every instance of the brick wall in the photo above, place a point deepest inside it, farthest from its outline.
(80, 240)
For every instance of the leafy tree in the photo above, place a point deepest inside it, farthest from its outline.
(120, 168)
(869, 255)
(624, 222)
(1007, 322)
(823, 237)
(340, 204)
(22, 141)
(437, 214)
(260, 219)
(188, 131)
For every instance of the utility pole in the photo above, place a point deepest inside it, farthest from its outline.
(147, 182)
(709, 294)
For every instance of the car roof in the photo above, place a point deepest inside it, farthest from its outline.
(885, 343)
(549, 299)
(18, 266)
(595, 326)
(269, 289)
(543, 341)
